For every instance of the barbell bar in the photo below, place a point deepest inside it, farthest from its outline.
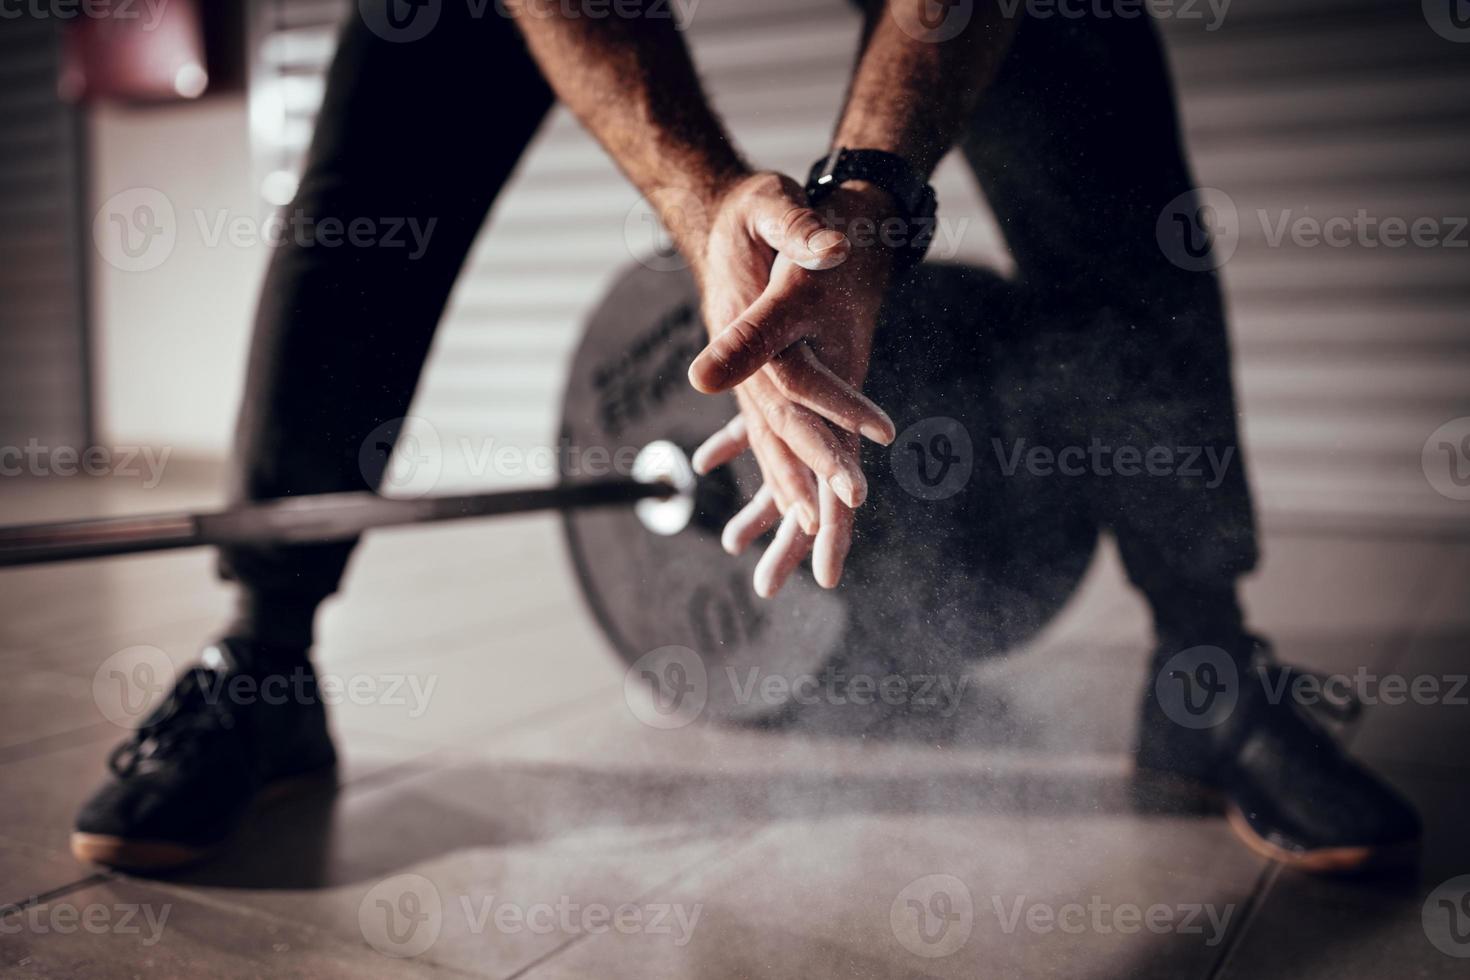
(660, 489)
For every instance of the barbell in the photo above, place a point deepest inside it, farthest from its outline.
(660, 490)
(952, 559)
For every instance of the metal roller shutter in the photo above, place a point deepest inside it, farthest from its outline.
(43, 359)
(1347, 357)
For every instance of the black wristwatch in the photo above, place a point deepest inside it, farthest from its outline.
(894, 174)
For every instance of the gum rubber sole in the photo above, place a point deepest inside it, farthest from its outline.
(140, 854)
(1325, 860)
(134, 854)
(1322, 861)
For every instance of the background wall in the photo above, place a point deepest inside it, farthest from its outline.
(170, 339)
(1348, 357)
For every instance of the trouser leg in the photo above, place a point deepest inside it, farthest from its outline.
(413, 141)
(1077, 148)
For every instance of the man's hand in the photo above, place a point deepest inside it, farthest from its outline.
(791, 307)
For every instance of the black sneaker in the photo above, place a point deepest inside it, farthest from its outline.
(186, 778)
(1291, 793)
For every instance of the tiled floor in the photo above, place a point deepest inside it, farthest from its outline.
(509, 816)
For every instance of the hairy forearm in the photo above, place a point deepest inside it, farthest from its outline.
(912, 96)
(630, 81)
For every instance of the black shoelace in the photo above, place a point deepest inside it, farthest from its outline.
(190, 714)
(1339, 706)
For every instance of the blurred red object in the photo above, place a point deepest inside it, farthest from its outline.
(135, 51)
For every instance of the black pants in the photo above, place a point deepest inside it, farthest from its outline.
(1076, 147)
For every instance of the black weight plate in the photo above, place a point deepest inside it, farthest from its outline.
(953, 557)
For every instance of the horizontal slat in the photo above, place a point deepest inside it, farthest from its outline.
(1347, 357)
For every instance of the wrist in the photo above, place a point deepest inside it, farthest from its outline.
(690, 209)
(870, 218)
(892, 207)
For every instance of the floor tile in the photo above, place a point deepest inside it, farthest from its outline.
(506, 860)
(128, 929)
(952, 896)
(1371, 927)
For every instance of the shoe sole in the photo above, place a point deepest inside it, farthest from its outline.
(140, 854)
(1324, 860)
(1178, 789)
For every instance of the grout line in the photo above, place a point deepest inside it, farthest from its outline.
(1400, 641)
(57, 742)
(43, 898)
(204, 896)
(1254, 903)
(737, 842)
